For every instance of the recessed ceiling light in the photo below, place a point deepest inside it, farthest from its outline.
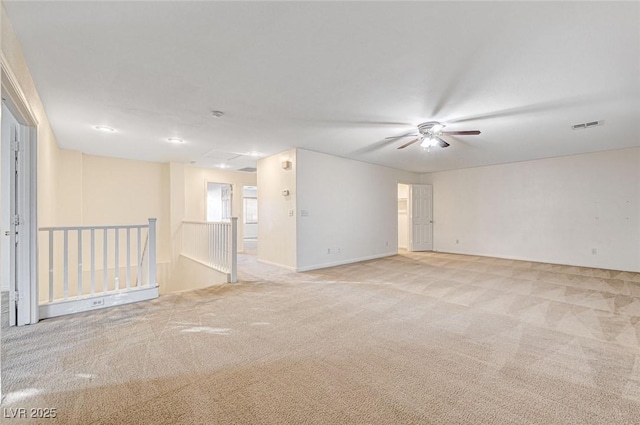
(254, 153)
(223, 166)
(217, 114)
(175, 140)
(104, 128)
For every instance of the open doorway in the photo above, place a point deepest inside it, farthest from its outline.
(219, 197)
(250, 221)
(403, 217)
(415, 217)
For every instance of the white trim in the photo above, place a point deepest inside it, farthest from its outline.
(271, 263)
(205, 222)
(529, 260)
(115, 226)
(19, 106)
(31, 170)
(62, 308)
(202, 263)
(16, 98)
(343, 262)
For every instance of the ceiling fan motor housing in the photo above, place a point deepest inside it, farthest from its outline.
(425, 127)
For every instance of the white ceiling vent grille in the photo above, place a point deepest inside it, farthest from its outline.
(248, 169)
(587, 125)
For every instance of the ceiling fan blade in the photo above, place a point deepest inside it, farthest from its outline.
(399, 137)
(462, 133)
(442, 143)
(408, 143)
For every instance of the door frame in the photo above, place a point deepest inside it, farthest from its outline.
(407, 229)
(410, 219)
(244, 212)
(27, 280)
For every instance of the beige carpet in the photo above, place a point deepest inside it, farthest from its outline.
(420, 338)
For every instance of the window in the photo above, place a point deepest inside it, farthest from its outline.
(251, 210)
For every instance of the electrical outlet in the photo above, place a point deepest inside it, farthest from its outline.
(304, 213)
(328, 250)
(97, 303)
(290, 213)
(457, 240)
(594, 251)
(338, 251)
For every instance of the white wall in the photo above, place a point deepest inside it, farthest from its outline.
(351, 210)
(48, 151)
(553, 210)
(276, 227)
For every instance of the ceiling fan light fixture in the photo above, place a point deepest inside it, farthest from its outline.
(428, 142)
(437, 128)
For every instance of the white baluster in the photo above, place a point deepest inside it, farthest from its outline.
(105, 263)
(66, 265)
(139, 256)
(152, 252)
(79, 262)
(234, 249)
(93, 261)
(50, 265)
(128, 258)
(117, 260)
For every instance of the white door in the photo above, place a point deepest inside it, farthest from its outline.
(421, 217)
(14, 223)
(18, 220)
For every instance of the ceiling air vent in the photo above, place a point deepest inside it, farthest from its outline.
(248, 169)
(587, 125)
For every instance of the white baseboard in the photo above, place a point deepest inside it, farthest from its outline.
(96, 302)
(539, 260)
(271, 263)
(347, 261)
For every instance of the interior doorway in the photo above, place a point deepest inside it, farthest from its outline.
(18, 246)
(420, 208)
(250, 218)
(219, 200)
(415, 217)
(403, 216)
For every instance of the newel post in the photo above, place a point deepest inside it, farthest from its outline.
(152, 252)
(234, 249)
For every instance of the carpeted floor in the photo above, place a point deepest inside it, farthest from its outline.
(418, 338)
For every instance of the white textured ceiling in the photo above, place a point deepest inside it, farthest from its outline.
(335, 77)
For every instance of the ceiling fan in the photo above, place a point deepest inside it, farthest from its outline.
(429, 135)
